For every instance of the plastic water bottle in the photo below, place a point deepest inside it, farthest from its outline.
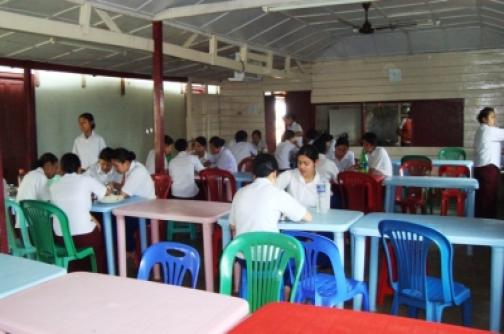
(323, 198)
(363, 162)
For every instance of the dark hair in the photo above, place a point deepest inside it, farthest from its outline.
(310, 151)
(343, 140)
(484, 113)
(46, 158)
(321, 145)
(70, 163)
(291, 116)
(371, 138)
(241, 136)
(264, 164)
(217, 141)
(312, 133)
(168, 140)
(90, 119)
(257, 133)
(288, 135)
(106, 154)
(121, 154)
(201, 140)
(181, 144)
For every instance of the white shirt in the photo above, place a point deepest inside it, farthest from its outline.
(99, 175)
(261, 146)
(487, 146)
(33, 186)
(182, 169)
(72, 194)
(327, 168)
(297, 128)
(380, 160)
(138, 182)
(258, 206)
(204, 158)
(150, 163)
(283, 154)
(305, 193)
(346, 162)
(88, 149)
(224, 160)
(242, 150)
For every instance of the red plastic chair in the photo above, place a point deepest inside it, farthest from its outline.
(411, 198)
(246, 165)
(162, 185)
(361, 192)
(447, 194)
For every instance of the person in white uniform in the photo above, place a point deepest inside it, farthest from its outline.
(150, 163)
(242, 149)
(89, 144)
(325, 167)
(292, 125)
(342, 156)
(34, 184)
(199, 149)
(222, 157)
(487, 157)
(102, 171)
(286, 150)
(72, 194)
(258, 142)
(182, 169)
(378, 159)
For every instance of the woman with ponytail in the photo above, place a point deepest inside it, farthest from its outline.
(34, 184)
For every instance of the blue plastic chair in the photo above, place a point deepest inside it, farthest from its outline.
(176, 260)
(321, 288)
(414, 288)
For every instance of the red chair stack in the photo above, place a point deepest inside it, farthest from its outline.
(447, 194)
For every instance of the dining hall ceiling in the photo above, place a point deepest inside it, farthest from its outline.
(211, 39)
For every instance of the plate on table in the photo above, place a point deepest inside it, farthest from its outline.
(109, 199)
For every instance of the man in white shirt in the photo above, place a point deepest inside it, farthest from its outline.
(182, 169)
(286, 150)
(292, 125)
(242, 149)
(89, 144)
(325, 167)
(102, 171)
(150, 163)
(258, 142)
(222, 157)
(378, 159)
(34, 184)
(341, 155)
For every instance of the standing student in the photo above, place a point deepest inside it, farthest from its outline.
(292, 125)
(150, 163)
(286, 150)
(222, 157)
(258, 142)
(34, 184)
(343, 157)
(326, 168)
(72, 194)
(200, 150)
(89, 144)
(242, 149)
(182, 169)
(378, 159)
(487, 158)
(102, 171)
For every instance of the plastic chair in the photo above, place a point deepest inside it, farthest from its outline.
(17, 247)
(413, 287)
(321, 288)
(410, 198)
(361, 192)
(246, 165)
(415, 157)
(162, 185)
(266, 256)
(452, 153)
(176, 261)
(447, 194)
(40, 217)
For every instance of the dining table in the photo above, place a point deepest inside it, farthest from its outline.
(396, 164)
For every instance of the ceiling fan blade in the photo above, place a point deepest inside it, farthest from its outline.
(394, 26)
(348, 23)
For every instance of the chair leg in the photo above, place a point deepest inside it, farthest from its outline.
(92, 258)
(467, 313)
(460, 206)
(412, 312)
(429, 313)
(444, 206)
(365, 301)
(395, 305)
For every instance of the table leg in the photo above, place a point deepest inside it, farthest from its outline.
(373, 273)
(154, 240)
(358, 274)
(142, 228)
(226, 231)
(339, 239)
(109, 242)
(470, 202)
(121, 245)
(389, 198)
(496, 288)
(208, 256)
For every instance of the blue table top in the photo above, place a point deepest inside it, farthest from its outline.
(432, 182)
(439, 162)
(108, 207)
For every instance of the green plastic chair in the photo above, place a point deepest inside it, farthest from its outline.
(266, 256)
(40, 215)
(18, 247)
(177, 227)
(452, 153)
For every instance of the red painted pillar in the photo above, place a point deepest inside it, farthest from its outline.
(157, 77)
(3, 228)
(31, 127)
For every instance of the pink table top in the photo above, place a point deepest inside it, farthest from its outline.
(202, 212)
(95, 303)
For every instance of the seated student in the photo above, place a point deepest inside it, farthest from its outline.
(199, 149)
(343, 157)
(311, 136)
(34, 184)
(182, 169)
(72, 194)
(259, 205)
(325, 167)
(242, 149)
(285, 150)
(150, 163)
(291, 124)
(258, 143)
(222, 157)
(89, 144)
(302, 182)
(378, 159)
(102, 171)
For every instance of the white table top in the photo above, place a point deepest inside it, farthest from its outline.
(202, 212)
(458, 230)
(332, 221)
(431, 182)
(95, 303)
(17, 274)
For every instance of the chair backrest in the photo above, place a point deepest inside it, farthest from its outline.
(14, 213)
(454, 171)
(361, 191)
(418, 167)
(246, 165)
(219, 185)
(414, 157)
(176, 261)
(411, 243)
(40, 216)
(162, 185)
(452, 153)
(314, 245)
(266, 256)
